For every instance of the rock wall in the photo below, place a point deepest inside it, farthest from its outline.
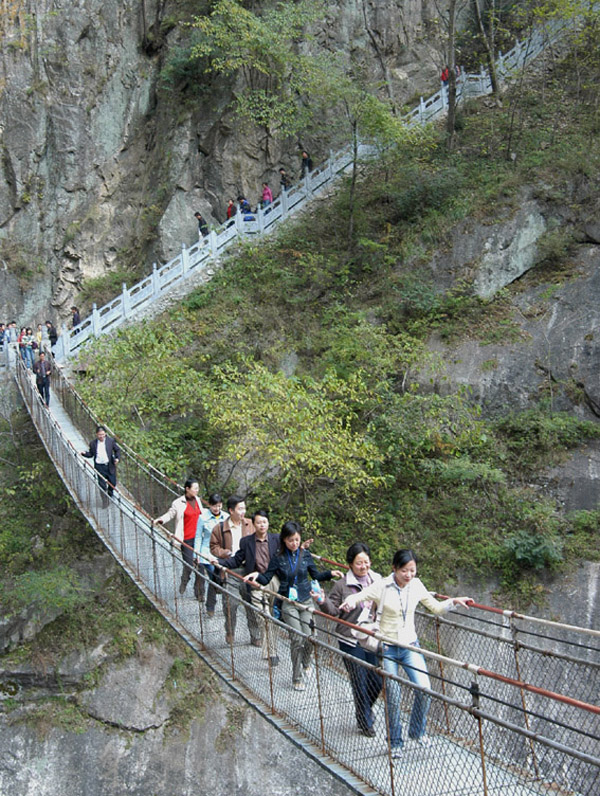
(123, 736)
(102, 167)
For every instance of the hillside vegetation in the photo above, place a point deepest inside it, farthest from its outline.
(296, 375)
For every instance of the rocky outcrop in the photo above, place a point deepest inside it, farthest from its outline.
(141, 730)
(25, 624)
(102, 166)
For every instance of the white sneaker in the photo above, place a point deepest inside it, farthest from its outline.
(424, 741)
(299, 686)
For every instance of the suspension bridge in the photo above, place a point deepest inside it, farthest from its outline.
(514, 699)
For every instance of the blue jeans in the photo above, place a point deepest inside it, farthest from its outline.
(415, 668)
(366, 684)
(211, 593)
(27, 356)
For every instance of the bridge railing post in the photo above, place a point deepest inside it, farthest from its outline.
(514, 630)
(185, 260)
(155, 280)
(319, 695)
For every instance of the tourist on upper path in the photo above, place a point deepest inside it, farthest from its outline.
(397, 596)
(267, 195)
(202, 225)
(284, 180)
(306, 165)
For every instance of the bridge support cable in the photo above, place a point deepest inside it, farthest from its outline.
(472, 748)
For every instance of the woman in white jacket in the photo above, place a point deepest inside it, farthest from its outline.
(185, 510)
(400, 594)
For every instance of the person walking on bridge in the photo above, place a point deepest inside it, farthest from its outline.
(400, 594)
(293, 565)
(202, 556)
(186, 510)
(106, 453)
(366, 683)
(225, 542)
(42, 370)
(255, 554)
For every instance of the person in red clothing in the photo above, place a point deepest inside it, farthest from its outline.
(231, 210)
(185, 510)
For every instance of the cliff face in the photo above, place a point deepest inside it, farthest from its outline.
(101, 166)
(143, 729)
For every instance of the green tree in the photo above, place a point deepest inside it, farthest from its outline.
(305, 434)
(273, 72)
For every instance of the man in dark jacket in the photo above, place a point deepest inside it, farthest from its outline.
(42, 370)
(254, 555)
(105, 453)
(202, 225)
(52, 333)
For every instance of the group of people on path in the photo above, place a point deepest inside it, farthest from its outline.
(29, 345)
(213, 541)
(244, 207)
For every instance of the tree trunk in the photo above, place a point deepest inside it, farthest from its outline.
(451, 120)
(488, 43)
(353, 184)
(382, 61)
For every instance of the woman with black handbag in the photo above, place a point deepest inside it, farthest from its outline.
(366, 683)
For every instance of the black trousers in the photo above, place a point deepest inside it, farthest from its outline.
(104, 471)
(44, 390)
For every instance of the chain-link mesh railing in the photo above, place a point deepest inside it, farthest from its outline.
(147, 486)
(494, 725)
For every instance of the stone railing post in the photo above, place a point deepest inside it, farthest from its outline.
(96, 330)
(62, 349)
(307, 184)
(125, 302)
(421, 109)
(155, 280)
(213, 243)
(260, 216)
(185, 259)
(284, 203)
(239, 222)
